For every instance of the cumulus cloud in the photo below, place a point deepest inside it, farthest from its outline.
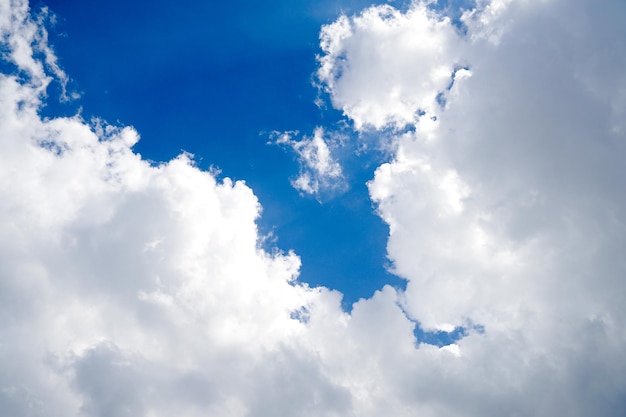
(132, 289)
(320, 173)
(127, 288)
(506, 208)
(385, 67)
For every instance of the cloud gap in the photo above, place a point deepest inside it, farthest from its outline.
(454, 10)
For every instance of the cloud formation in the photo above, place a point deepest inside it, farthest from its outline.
(127, 288)
(387, 67)
(131, 289)
(504, 199)
(320, 173)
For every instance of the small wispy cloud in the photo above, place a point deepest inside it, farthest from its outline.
(320, 173)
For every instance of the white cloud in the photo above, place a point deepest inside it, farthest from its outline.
(508, 209)
(320, 173)
(386, 67)
(131, 289)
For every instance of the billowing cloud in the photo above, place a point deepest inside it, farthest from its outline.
(132, 289)
(507, 207)
(127, 288)
(386, 67)
(320, 173)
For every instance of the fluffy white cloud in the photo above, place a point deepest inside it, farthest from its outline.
(320, 173)
(507, 208)
(131, 289)
(386, 67)
(128, 289)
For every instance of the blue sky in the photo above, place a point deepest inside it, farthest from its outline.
(215, 79)
(474, 148)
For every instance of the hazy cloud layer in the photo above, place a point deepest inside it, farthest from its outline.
(128, 289)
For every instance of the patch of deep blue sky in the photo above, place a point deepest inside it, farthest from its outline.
(214, 78)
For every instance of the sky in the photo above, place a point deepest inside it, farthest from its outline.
(312, 208)
(222, 101)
